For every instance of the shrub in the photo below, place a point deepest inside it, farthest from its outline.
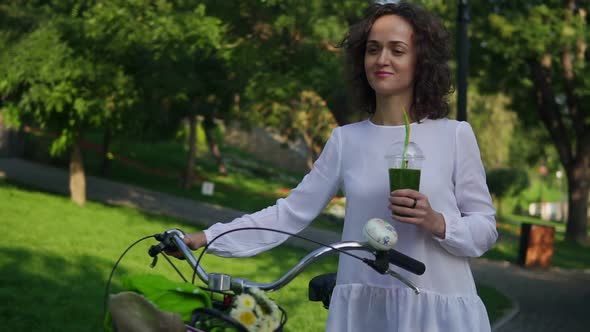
(504, 182)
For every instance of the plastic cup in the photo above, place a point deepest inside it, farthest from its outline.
(404, 172)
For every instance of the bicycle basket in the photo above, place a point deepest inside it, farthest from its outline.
(248, 311)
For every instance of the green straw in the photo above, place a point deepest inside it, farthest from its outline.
(407, 139)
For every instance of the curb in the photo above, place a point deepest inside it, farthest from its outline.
(507, 317)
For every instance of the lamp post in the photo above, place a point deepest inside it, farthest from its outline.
(462, 58)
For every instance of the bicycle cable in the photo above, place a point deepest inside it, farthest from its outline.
(175, 268)
(271, 230)
(108, 285)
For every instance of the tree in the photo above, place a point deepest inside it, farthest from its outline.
(73, 66)
(175, 54)
(283, 51)
(313, 121)
(506, 181)
(282, 47)
(306, 117)
(542, 49)
(44, 79)
(209, 127)
(494, 124)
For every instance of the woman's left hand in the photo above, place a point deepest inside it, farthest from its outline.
(411, 207)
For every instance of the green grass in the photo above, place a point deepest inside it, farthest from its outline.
(497, 304)
(251, 185)
(566, 254)
(56, 257)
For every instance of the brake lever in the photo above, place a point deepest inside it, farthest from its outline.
(404, 280)
(154, 262)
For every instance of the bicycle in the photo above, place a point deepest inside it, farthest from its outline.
(225, 289)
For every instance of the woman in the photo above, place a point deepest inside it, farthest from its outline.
(398, 55)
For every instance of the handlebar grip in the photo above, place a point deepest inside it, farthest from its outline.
(406, 262)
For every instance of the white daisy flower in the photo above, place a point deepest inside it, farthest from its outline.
(245, 317)
(256, 311)
(245, 301)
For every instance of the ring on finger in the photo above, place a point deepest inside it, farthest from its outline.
(415, 202)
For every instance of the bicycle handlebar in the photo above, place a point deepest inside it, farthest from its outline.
(222, 282)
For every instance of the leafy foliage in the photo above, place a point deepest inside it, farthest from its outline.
(75, 66)
(311, 119)
(504, 182)
(542, 49)
(507, 181)
(86, 64)
(46, 80)
(495, 126)
(284, 47)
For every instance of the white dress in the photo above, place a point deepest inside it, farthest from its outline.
(453, 179)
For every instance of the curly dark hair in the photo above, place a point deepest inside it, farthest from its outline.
(432, 81)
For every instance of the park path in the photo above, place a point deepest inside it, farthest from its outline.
(106, 191)
(551, 300)
(545, 300)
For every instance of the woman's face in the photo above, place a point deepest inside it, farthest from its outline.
(390, 56)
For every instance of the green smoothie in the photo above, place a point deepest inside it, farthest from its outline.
(404, 178)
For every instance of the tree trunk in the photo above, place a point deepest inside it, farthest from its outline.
(576, 164)
(549, 110)
(309, 144)
(77, 177)
(317, 150)
(192, 153)
(237, 99)
(578, 167)
(209, 126)
(579, 187)
(105, 168)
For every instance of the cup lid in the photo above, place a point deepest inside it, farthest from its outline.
(396, 150)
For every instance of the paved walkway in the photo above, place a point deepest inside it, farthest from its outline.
(546, 300)
(57, 180)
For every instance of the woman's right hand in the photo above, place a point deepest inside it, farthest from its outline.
(195, 240)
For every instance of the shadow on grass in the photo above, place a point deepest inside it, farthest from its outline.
(45, 292)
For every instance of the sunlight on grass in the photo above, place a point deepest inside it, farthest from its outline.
(59, 257)
(56, 258)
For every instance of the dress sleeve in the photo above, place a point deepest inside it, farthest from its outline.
(291, 214)
(472, 231)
